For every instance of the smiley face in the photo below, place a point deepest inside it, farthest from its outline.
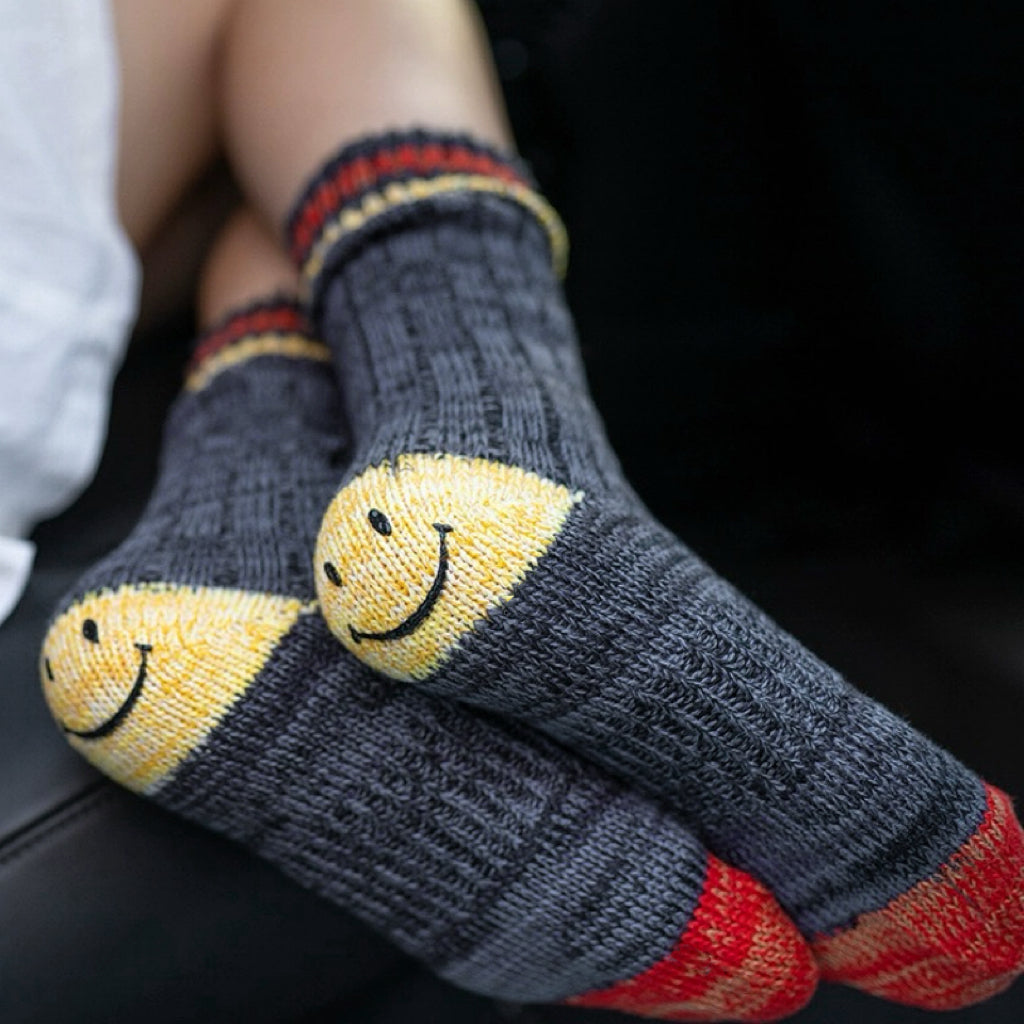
(413, 555)
(137, 677)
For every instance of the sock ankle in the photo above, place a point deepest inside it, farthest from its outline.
(484, 545)
(191, 666)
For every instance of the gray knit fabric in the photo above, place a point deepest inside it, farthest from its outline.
(452, 336)
(510, 866)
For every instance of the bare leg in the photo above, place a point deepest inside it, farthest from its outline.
(299, 79)
(245, 264)
(168, 127)
(282, 85)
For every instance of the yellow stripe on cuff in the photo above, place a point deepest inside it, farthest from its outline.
(404, 193)
(295, 346)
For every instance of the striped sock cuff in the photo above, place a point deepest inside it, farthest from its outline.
(383, 178)
(273, 326)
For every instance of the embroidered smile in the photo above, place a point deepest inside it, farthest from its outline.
(426, 606)
(107, 727)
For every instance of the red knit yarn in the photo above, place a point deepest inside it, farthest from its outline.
(740, 959)
(349, 179)
(953, 939)
(276, 317)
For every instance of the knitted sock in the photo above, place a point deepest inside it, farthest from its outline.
(485, 545)
(191, 666)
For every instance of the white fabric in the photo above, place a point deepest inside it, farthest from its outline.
(68, 276)
(15, 565)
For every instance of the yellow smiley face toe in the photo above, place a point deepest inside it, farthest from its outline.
(412, 555)
(137, 677)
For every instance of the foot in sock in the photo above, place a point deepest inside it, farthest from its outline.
(485, 546)
(191, 665)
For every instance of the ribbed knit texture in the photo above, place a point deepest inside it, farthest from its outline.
(519, 573)
(191, 665)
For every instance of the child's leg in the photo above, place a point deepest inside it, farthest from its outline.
(297, 78)
(279, 84)
(244, 265)
(168, 120)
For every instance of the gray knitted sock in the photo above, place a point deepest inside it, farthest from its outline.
(485, 545)
(191, 665)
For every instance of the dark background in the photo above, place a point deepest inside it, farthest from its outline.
(797, 250)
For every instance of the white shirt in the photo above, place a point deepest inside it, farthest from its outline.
(68, 276)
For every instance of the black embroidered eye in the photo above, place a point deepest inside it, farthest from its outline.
(332, 574)
(91, 631)
(380, 522)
